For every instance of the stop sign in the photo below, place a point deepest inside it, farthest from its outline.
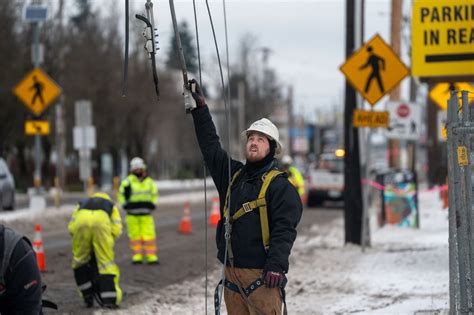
(403, 110)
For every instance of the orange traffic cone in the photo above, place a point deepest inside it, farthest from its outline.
(185, 224)
(38, 248)
(215, 214)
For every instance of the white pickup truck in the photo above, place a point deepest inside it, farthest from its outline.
(325, 180)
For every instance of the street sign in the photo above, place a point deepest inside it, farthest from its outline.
(440, 94)
(405, 121)
(37, 127)
(374, 70)
(35, 13)
(442, 38)
(84, 137)
(37, 90)
(362, 118)
(442, 118)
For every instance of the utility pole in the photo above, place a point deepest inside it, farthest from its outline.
(352, 180)
(395, 42)
(60, 109)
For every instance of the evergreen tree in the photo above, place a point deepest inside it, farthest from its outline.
(188, 49)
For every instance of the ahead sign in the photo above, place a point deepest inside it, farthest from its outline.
(442, 38)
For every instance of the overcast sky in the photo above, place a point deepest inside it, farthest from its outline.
(306, 38)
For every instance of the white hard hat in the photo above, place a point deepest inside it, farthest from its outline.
(137, 163)
(287, 160)
(266, 127)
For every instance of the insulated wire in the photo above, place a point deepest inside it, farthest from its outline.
(125, 64)
(204, 163)
(228, 138)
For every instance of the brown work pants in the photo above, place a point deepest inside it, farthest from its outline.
(267, 301)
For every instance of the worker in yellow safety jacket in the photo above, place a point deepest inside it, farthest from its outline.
(95, 226)
(294, 176)
(138, 195)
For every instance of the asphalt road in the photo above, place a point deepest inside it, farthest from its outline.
(183, 257)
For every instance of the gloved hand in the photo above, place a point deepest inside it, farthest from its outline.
(197, 94)
(274, 279)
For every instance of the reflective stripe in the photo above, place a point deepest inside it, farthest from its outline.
(139, 193)
(107, 264)
(109, 294)
(85, 286)
(138, 211)
(116, 222)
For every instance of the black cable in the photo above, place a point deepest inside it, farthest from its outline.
(204, 163)
(125, 64)
(228, 124)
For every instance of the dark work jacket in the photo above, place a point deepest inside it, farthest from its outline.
(23, 290)
(283, 204)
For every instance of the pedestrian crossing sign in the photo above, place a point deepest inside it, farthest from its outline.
(37, 90)
(374, 70)
(441, 93)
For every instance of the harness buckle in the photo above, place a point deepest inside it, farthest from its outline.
(247, 207)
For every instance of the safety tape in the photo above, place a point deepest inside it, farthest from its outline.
(400, 191)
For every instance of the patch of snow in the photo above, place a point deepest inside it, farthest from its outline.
(405, 271)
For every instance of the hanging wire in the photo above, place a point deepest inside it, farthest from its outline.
(228, 143)
(204, 164)
(125, 64)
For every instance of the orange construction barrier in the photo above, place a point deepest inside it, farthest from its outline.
(38, 248)
(185, 224)
(215, 214)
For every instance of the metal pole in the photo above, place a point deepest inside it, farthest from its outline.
(36, 61)
(363, 143)
(453, 261)
(461, 216)
(468, 192)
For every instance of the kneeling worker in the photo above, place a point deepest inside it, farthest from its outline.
(95, 226)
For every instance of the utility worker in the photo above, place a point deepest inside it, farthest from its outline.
(262, 208)
(20, 279)
(138, 195)
(294, 174)
(95, 226)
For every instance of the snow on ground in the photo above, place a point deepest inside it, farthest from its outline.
(66, 210)
(404, 272)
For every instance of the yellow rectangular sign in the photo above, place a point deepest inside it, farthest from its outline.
(37, 127)
(442, 38)
(362, 118)
(463, 158)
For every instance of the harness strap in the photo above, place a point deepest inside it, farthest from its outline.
(260, 203)
(235, 288)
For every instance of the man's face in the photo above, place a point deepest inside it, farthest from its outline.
(257, 147)
(138, 172)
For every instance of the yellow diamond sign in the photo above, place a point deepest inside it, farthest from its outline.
(37, 90)
(440, 94)
(374, 70)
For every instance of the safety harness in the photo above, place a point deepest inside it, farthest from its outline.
(261, 204)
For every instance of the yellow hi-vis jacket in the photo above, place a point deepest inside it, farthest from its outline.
(295, 177)
(111, 215)
(138, 197)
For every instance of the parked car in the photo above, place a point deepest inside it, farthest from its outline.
(325, 180)
(7, 187)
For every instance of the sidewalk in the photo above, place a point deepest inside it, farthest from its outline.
(404, 272)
